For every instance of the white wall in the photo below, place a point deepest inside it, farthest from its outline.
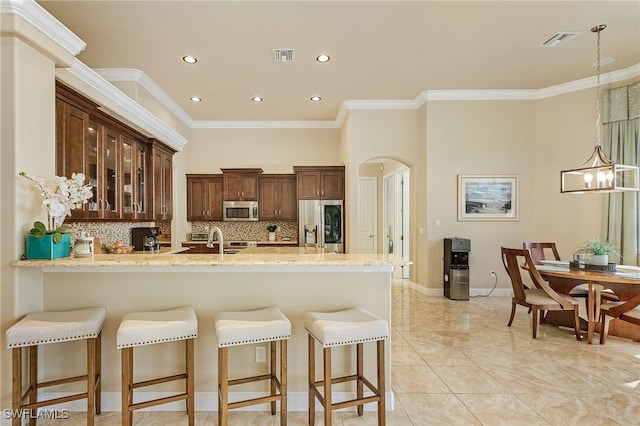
(477, 137)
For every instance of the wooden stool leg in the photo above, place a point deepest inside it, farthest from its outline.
(360, 374)
(312, 378)
(16, 398)
(328, 413)
(283, 382)
(33, 383)
(91, 381)
(382, 406)
(223, 386)
(126, 385)
(190, 383)
(272, 373)
(98, 393)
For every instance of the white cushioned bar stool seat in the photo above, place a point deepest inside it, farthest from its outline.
(43, 328)
(348, 327)
(251, 327)
(149, 328)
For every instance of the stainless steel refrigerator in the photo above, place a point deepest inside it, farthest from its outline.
(321, 224)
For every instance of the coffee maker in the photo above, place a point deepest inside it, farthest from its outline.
(146, 238)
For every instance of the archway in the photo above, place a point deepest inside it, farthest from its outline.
(383, 208)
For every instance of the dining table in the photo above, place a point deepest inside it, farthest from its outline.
(624, 282)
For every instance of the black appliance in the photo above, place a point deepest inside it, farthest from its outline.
(456, 268)
(146, 238)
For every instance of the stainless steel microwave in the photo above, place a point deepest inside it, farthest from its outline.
(240, 211)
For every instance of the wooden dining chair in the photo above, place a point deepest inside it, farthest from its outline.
(538, 250)
(538, 253)
(541, 298)
(628, 311)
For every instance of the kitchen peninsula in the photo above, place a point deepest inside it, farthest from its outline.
(295, 279)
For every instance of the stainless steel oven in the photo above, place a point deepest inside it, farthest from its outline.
(240, 211)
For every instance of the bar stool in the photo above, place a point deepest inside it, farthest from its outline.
(54, 327)
(348, 327)
(150, 328)
(251, 327)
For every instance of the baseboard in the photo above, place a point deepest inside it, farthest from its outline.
(473, 292)
(205, 401)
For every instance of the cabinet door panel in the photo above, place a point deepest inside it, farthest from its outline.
(196, 199)
(110, 182)
(268, 198)
(308, 185)
(214, 195)
(288, 209)
(332, 185)
(128, 201)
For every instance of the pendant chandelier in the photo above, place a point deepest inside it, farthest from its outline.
(599, 174)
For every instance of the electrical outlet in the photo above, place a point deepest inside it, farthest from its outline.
(261, 354)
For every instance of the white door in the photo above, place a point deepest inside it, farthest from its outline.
(404, 217)
(367, 215)
(388, 215)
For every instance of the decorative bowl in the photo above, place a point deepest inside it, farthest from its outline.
(117, 248)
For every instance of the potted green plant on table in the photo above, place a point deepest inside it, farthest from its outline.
(68, 194)
(598, 251)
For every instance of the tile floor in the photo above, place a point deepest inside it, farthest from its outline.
(457, 362)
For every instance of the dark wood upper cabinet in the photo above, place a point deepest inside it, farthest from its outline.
(320, 183)
(204, 197)
(240, 184)
(278, 197)
(162, 182)
(130, 174)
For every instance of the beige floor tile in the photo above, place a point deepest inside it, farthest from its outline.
(436, 409)
(558, 408)
(468, 379)
(409, 378)
(501, 409)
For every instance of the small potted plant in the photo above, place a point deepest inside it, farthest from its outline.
(272, 232)
(598, 251)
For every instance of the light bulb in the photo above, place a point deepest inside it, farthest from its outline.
(588, 178)
(601, 178)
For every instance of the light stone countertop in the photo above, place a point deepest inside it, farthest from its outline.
(254, 256)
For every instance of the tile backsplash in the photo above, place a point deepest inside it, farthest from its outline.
(248, 231)
(110, 232)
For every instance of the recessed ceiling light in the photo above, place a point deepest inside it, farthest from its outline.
(196, 98)
(316, 98)
(256, 99)
(189, 59)
(323, 58)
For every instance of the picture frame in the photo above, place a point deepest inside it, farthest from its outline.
(487, 198)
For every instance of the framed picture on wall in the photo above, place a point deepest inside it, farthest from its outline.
(487, 197)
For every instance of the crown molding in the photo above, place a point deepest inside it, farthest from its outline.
(140, 77)
(116, 101)
(44, 22)
(134, 75)
(264, 125)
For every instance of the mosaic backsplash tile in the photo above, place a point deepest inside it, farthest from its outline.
(110, 232)
(249, 231)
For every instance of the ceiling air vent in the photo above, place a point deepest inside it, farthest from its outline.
(283, 55)
(558, 39)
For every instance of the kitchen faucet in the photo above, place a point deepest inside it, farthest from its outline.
(214, 230)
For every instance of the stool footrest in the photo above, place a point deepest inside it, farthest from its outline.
(250, 379)
(254, 401)
(158, 401)
(356, 401)
(61, 381)
(53, 401)
(159, 380)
